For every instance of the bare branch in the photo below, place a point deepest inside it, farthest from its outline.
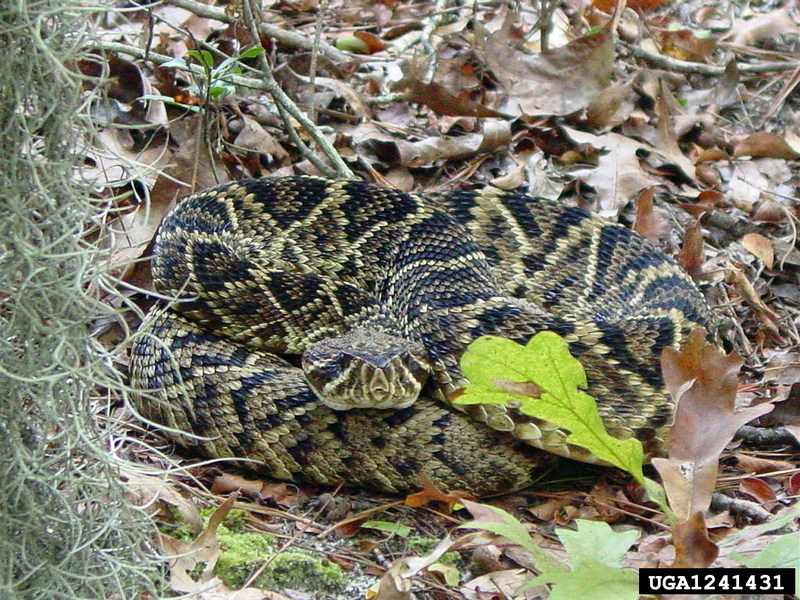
(287, 106)
(693, 68)
(288, 38)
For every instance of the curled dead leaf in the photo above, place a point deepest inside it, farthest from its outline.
(703, 382)
(760, 247)
(760, 490)
(559, 81)
(441, 101)
(693, 547)
(765, 143)
(430, 493)
(691, 256)
(647, 222)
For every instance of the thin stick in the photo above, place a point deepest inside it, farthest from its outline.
(287, 108)
(692, 68)
(288, 38)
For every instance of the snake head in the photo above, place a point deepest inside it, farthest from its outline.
(366, 369)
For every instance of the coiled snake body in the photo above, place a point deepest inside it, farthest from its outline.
(367, 283)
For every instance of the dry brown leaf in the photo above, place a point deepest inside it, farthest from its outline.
(747, 31)
(373, 145)
(793, 484)
(430, 493)
(707, 176)
(186, 558)
(693, 547)
(559, 81)
(618, 176)
(710, 155)
(765, 143)
(691, 256)
(705, 201)
(647, 222)
(226, 483)
(441, 101)
(667, 137)
(373, 42)
(770, 211)
(760, 466)
(501, 584)
(685, 45)
(255, 138)
(396, 582)
(703, 382)
(638, 5)
(765, 314)
(344, 90)
(611, 107)
(760, 247)
(147, 490)
(787, 410)
(760, 490)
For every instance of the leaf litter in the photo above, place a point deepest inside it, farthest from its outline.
(626, 122)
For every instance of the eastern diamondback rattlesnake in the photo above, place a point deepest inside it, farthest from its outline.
(372, 290)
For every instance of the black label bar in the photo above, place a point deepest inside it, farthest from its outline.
(716, 581)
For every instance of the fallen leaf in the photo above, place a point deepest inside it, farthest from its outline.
(703, 383)
(760, 490)
(760, 466)
(255, 138)
(760, 247)
(705, 201)
(501, 584)
(497, 521)
(765, 143)
(691, 256)
(761, 26)
(376, 146)
(618, 176)
(765, 314)
(647, 222)
(147, 490)
(344, 90)
(611, 107)
(430, 493)
(396, 582)
(638, 5)
(559, 81)
(373, 42)
(441, 101)
(693, 547)
(202, 552)
(684, 44)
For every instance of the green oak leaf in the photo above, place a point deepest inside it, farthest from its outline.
(592, 580)
(496, 367)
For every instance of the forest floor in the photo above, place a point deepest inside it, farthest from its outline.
(681, 122)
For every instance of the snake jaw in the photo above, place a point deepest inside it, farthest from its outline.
(366, 370)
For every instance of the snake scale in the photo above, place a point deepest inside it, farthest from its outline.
(270, 274)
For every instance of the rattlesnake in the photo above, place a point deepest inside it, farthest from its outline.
(265, 270)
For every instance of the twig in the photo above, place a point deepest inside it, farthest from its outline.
(692, 68)
(258, 84)
(288, 38)
(427, 32)
(322, 13)
(287, 108)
